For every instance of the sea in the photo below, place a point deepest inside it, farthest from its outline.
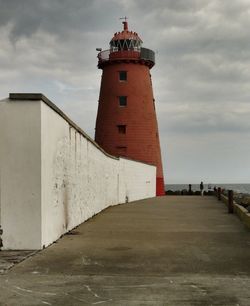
(239, 188)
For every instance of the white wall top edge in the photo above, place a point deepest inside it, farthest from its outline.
(20, 97)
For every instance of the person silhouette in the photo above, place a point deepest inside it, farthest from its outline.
(190, 189)
(201, 188)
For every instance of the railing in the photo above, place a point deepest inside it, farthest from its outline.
(227, 197)
(148, 54)
(103, 55)
(140, 54)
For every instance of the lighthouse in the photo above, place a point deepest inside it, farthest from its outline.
(126, 123)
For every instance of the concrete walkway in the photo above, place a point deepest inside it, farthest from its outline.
(174, 250)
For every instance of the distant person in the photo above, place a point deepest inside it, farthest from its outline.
(190, 189)
(201, 188)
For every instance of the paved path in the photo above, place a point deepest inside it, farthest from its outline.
(174, 250)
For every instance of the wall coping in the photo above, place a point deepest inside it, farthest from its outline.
(40, 97)
(241, 211)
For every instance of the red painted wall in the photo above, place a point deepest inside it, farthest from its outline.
(141, 140)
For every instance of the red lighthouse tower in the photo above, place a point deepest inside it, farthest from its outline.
(126, 123)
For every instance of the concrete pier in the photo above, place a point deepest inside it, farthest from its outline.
(175, 250)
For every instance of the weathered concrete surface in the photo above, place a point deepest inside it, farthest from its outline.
(162, 251)
(9, 258)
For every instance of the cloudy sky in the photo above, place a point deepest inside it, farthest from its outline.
(201, 79)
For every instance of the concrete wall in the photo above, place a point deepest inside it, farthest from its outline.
(241, 211)
(20, 179)
(53, 176)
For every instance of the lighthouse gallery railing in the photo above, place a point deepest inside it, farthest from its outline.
(142, 53)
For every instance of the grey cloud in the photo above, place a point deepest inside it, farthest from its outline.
(177, 6)
(201, 78)
(59, 17)
(209, 118)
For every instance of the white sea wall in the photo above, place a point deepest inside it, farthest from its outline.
(56, 177)
(20, 174)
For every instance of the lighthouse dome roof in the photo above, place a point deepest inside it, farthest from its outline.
(126, 34)
(125, 37)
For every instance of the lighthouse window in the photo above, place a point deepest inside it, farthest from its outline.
(123, 101)
(121, 129)
(123, 75)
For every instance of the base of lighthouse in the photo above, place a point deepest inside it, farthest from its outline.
(160, 189)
